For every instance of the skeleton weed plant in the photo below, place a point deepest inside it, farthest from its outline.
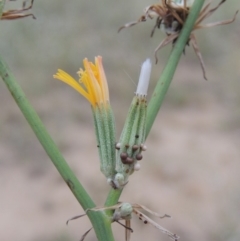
(117, 160)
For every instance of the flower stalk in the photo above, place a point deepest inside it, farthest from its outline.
(92, 85)
(131, 143)
(171, 66)
(164, 82)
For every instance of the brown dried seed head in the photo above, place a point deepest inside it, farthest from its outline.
(135, 147)
(139, 156)
(128, 160)
(123, 156)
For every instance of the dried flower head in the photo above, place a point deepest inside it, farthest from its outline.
(170, 17)
(18, 13)
(124, 211)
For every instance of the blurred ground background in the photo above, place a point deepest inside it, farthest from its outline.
(191, 168)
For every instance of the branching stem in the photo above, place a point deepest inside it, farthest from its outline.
(100, 222)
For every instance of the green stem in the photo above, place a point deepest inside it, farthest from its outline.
(169, 70)
(2, 3)
(100, 222)
(164, 81)
(113, 197)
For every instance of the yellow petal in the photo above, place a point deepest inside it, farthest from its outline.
(68, 79)
(92, 82)
(102, 78)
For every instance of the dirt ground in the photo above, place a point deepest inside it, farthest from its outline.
(191, 167)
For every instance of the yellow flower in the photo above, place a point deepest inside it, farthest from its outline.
(92, 83)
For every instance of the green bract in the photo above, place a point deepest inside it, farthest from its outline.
(131, 143)
(105, 132)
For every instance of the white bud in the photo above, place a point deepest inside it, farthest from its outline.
(118, 145)
(137, 166)
(144, 78)
(143, 147)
